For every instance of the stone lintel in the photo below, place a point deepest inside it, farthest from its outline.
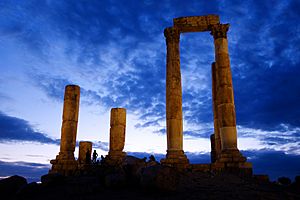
(196, 23)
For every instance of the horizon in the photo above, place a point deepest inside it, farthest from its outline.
(116, 53)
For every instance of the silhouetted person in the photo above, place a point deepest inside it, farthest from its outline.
(88, 157)
(95, 155)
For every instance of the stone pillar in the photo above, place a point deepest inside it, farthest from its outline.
(65, 162)
(225, 100)
(175, 154)
(70, 120)
(85, 152)
(117, 134)
(216, 134)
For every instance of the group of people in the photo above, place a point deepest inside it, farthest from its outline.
(94, 157)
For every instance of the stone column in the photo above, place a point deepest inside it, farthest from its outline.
(117, 133)
(85, 149)
(225, 99)
(175, 152)
(70, 120)
(216, 135)
(65, 162)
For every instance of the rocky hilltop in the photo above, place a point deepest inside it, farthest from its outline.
(138, 179)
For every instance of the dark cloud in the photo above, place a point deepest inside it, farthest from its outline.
(274, 163)
(16, 129)
(128, 39)
(31, 171)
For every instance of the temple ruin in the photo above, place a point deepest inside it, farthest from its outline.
(224, 140)
(224, 152)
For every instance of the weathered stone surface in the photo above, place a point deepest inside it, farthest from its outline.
(226, 113)
(117, 129)
(117, 137)
(225, 95)
(219, 30)
(174, 99)
(65, 161)
(196, 23)
(228, 137)
(175, 158)
(225, 78)
(85, 149)
(215, 102)
(70, 120)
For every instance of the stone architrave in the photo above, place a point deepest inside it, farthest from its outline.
(175, 154)
(225, 100)
(117, 134)
(85, 152)
(65, 162)
(224, 140)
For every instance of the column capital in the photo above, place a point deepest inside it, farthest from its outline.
(219, 30)
(172, 34)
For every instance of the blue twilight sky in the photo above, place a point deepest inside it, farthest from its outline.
(115, 51)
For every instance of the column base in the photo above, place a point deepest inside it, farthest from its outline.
(114, 158)
(63, 167)
(231, 156)
(175, 158)
(231, 160)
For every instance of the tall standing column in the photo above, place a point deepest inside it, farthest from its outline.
(175, 152)
(226, 108)
(65, 162)
(216, 137)
(69, 124)
(117, 135)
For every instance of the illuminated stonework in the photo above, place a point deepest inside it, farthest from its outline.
(224, 140)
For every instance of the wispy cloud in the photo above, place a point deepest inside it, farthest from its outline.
(116, 53)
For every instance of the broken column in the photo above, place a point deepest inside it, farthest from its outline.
(117, 135)
(85, 152)
(175, 154)
(225, 100)
(215, 138)
(65, 162)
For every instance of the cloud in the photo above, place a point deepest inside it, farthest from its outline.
(274, 163)
(116, 53)
(16, 129)
(31, 171)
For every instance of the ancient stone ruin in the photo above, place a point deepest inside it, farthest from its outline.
(225, 155)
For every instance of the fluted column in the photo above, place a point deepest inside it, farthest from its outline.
(216, 134)
(225, 101)
(69, 124)
(174, 97)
